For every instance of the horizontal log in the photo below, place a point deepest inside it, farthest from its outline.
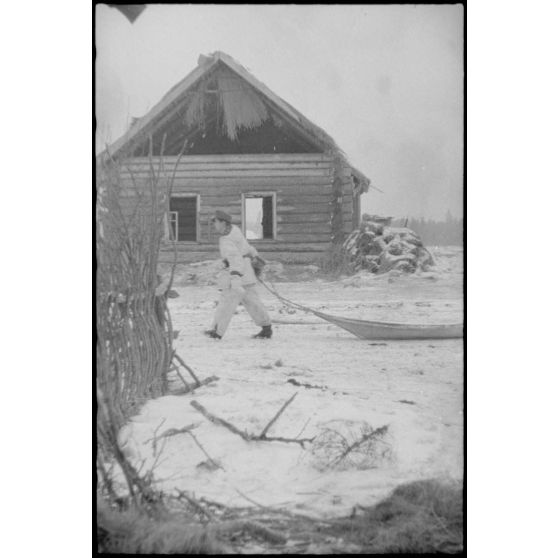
(288, 196)
(308, 204)
(256, 157)
(324, 226)
(248, 183)
(283, 199)
(224, 166)
(208, 204)
(286, 220)
(318, 212)
(315, 196)
(317, 203)
(301, 237)
(232, 206)
(304, 200)
(286, 203)
(246, 173)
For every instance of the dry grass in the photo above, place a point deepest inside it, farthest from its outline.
(130, 532)
(419, 517)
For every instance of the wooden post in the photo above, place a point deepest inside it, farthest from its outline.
(338, 235)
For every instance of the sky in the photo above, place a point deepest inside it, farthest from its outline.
(386, 82)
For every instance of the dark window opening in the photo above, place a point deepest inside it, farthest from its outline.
(183, 218)
(259, 217)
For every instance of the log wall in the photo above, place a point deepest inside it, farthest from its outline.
(302, 184)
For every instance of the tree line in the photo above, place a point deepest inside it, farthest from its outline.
(435, 233)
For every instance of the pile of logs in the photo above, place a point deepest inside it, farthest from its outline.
(378, 247)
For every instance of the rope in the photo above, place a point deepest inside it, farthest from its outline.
(274, 292)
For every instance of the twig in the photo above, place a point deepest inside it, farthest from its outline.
(205, 453)
(174, 432)
(303, 428)
(180, 376)
(156, 460)
(244, 435)
(154, 445)
(278, 414)
(300, 442)
(250, 500)
(169, 194)
(177, 357)
(195, 504)
(204, 382)
(106, 479)
(219, 421)
(213, 503)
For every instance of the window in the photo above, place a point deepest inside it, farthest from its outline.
(183, 217)
(173, 222)
(258, 215)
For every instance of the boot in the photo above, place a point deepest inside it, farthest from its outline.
(265, 333)
(212, 333)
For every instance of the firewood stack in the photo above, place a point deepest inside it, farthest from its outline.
(378, 247)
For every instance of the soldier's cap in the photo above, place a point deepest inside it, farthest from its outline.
(222, 216)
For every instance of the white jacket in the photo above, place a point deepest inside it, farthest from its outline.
(235, 249)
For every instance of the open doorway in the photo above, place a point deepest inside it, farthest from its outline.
(258, 210)
(183, 217)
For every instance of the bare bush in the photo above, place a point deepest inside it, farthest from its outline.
(134, 327)
(347, 445)
(134, 331)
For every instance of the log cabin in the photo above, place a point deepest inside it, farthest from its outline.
(226, 141)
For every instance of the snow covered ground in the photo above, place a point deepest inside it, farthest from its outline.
(414, 387)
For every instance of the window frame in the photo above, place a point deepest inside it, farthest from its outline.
(198, 231)
(259, 194)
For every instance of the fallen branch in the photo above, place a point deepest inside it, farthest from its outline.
(250, 500)
(223, 527)
(177, 357)
(286, 440)
(154, 445)
(307, 386)
(303, 428)
(204, 382)
(198, 383)
(173, 432)
(219, 421)
(274, 419)
(205, 453)
(175, 367)
(254, 528)
(244, 435)
(195, 504)
(107, 480)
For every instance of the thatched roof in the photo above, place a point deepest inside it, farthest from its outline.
(241, 106)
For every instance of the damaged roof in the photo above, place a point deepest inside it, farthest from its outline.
(141, 127)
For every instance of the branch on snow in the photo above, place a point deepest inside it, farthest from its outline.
(245, 435)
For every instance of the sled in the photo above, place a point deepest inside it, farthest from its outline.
(386, 330)
(370, 330)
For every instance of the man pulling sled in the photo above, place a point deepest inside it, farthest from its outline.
(238, 280)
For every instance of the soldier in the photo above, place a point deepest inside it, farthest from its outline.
(240, 284)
